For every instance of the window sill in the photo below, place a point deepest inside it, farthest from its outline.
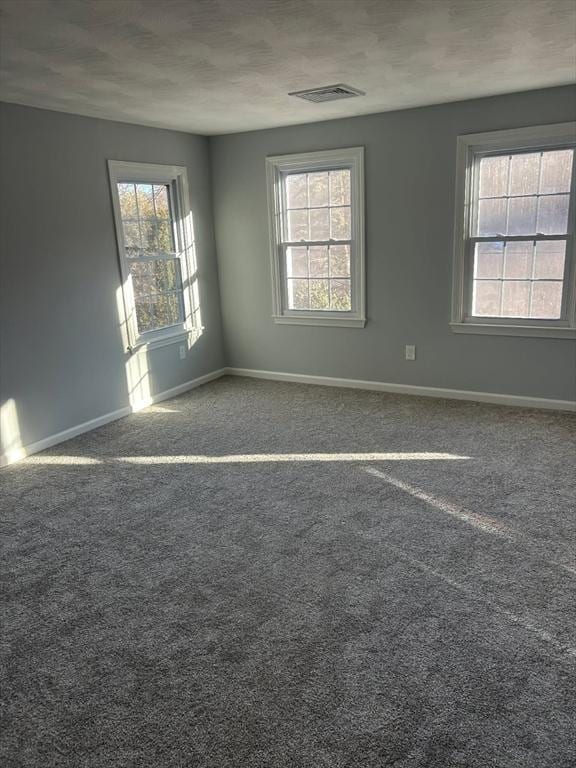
(553, 332)
(342, 322)
(164, 341)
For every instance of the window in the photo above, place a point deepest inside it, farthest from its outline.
(514, 258)
(316, 206)
(155, 245)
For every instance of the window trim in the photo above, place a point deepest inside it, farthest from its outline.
(176, 177)
(471, 147)
(276, 167)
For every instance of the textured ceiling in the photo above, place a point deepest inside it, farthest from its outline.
(218, 66)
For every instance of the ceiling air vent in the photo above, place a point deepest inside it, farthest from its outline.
(328, 93)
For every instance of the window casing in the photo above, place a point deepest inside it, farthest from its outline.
(316, 215)
(514, 249)
(156, 251)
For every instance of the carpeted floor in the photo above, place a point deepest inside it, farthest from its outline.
(270, 575)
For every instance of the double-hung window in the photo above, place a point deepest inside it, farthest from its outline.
(514, 260)
(155, 246)
(316, 212)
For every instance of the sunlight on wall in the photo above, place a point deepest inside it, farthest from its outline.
(138, 379)
(136, 361)
(191, 283)
(10, 438)
(483, 522)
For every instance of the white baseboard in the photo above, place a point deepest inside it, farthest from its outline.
(60, 437)
(409, 389)
(327, 381)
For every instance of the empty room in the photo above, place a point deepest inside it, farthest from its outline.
(288, 383)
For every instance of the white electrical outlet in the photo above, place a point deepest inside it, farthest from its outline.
(410, 352)
(182, 352)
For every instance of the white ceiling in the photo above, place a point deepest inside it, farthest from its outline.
(220, 66)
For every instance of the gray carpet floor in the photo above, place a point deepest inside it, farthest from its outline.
(269, 575)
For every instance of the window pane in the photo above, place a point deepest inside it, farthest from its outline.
(127, 198)
(298, 294)
(175, 308)
(318, 189)
(553, 214)
(296, 190)
(318, 261)
(148, 230)
(340, 187)
(340, 295)
(297, 262)
(146, 218)
(518, 260)
(340, 260)
(319, 224)
(154, 276)
(165, 310)
(487, 298)
(173, 275)
(556, 171)
(297, 225)
(131, 232)
(549, 259)
(546, 300)
(494, 176)
(159, 311)
(319, 294)
(165, 275)
(522, 215)
(488, 260)
(515, 298)
(145, 200)
(156, 235)
(144, 317)
(340, 223)
(491, 217)
(161, 201)
(524, 174)
(158, 277)
(164, 236)
(140, 272)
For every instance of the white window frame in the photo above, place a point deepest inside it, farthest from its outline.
(277, 167)
(470, 149)
(176, 177)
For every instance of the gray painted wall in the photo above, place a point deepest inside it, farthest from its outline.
(410, 172)
(61, 354)
(62, 358)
